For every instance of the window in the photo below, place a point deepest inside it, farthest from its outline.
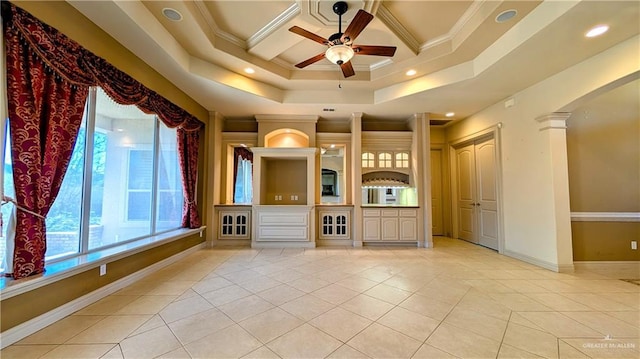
(63, 220)
(368, 160)
(170, 195)
(402, 160)
(8, 191)
(123, 181)
(139, 185)
(244, 181)
(384, 160)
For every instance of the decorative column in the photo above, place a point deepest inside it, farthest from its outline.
(213, 157)
(553, 126)
(356, 177)
(421, 175)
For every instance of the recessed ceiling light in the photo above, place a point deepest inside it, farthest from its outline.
(450, 114)
(597, 31)
(249, 70)
(506, 15)
(411, 72)
(332, 146)
(172, 14)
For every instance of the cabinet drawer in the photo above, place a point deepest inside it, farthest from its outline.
(371, 213)
(389, 213)
(408, 213)
(285, 218)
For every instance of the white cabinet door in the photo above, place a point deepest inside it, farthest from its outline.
(371, 226)
(234, 224)
(390, 229)
(408, 229)
(334, 225)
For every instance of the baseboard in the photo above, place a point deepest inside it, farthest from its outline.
(283, 244)
(232, 242)
(334, 243)
(31, 326)
(562, 268)
(392, 244)
(607, 265)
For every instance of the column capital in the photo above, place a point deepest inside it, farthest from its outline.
(554, 120)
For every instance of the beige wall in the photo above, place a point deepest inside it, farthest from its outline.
(603, 145)
(284, 178)
(605, 241)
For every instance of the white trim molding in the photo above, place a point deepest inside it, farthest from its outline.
(556, 120)
(559, 268)
(605, 216)
(611, 269)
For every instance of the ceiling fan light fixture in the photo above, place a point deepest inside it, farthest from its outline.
(339, 54)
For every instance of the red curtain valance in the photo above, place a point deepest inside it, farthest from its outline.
(80, 67)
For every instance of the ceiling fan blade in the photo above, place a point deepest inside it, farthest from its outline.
(310, 61)
(308, 34)
(347, 69)
(375, 50)
(359, 22)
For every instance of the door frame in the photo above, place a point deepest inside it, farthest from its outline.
(492, 131)
(444, 190)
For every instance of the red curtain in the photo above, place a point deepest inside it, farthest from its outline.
(48, 76)
(188, 143)
(46, 113)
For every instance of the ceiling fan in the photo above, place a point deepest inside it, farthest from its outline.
(341, 48)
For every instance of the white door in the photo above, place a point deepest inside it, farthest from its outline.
(437, 227)
(477, 207)
(486, 198)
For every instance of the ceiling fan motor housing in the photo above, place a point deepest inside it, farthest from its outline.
(336, 39)
(340, 7)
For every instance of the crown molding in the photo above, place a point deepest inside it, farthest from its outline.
(396, 27)
(289, 14)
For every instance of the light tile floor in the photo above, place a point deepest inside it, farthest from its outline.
(455, 300)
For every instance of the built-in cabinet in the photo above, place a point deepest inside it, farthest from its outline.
(390, 224)
(341, 188)
(234, 223)
(284, 197)
(283, 225)
(334, 224)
